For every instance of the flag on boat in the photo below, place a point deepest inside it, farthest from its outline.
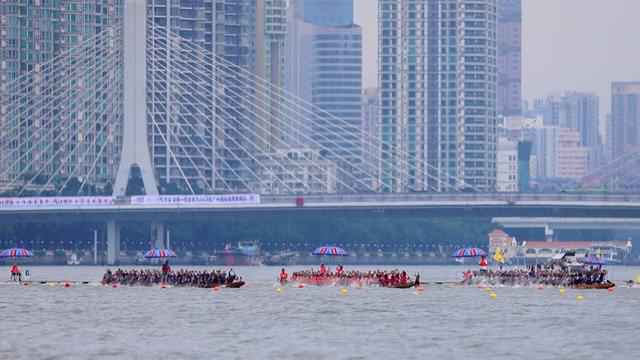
(469, 252)
(159, 253)
(330, 251)
(15, 252)
(499, 256)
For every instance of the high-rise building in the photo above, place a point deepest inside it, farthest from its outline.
(507, 165)
(559, 153)
(575, 110)
(247, 34)
(509, 57)
(437, 78)
(235, 42)
(402, 68)
(36, 37)
(625, 118)
(324, 12)
(181, 137)
(271, 31)
(325, 69)
(581, 111)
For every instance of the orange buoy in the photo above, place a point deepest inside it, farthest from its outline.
(610, 290)
(301, 286)
(67, 285)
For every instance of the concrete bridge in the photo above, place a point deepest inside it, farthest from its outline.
(509, 209)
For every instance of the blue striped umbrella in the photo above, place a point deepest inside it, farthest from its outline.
(15, 252)
(330, 251)
(159, 253)
(469, 252)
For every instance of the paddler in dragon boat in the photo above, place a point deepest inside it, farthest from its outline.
(339, 277)
(565, 270)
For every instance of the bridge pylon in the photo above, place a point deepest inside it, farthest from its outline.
(135, 147)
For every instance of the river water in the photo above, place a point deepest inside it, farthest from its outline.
(258, 322)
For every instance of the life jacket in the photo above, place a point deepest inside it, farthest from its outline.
(484, 265)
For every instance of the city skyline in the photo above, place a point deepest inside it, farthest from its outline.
(447, 70)
(549, 28)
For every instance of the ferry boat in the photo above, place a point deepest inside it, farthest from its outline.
(246, 253)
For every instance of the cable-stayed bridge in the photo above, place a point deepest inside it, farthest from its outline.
(191, 121)
(139, 109)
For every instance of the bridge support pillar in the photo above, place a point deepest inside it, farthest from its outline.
(113, 242)
(158, 235)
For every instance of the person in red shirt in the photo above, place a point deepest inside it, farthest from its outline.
(403, 278)
(16, 274)
(284, 277)
(484, 265)
(166, 269)
(323, 269)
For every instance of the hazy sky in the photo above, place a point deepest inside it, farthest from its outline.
(567, 45)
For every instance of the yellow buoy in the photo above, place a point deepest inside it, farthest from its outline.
(493, 295)
(279, 290)
(638, 279)
(579, 297)
(562, 291)
(344, 291)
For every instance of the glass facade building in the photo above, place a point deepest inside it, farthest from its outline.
(509, 31)
(61, 136)
(437, 78)
(181, 139)
(325, 69)
(325, 12)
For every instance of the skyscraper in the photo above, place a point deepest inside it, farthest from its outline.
(509, 35)
(625, 118)
(402, 82)
(271, 31)
(324, 12)
(437, 111)
(181, 137)
(325, 68)
(34, 35)
(575, 110)
(559, 153)
(235, 40)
